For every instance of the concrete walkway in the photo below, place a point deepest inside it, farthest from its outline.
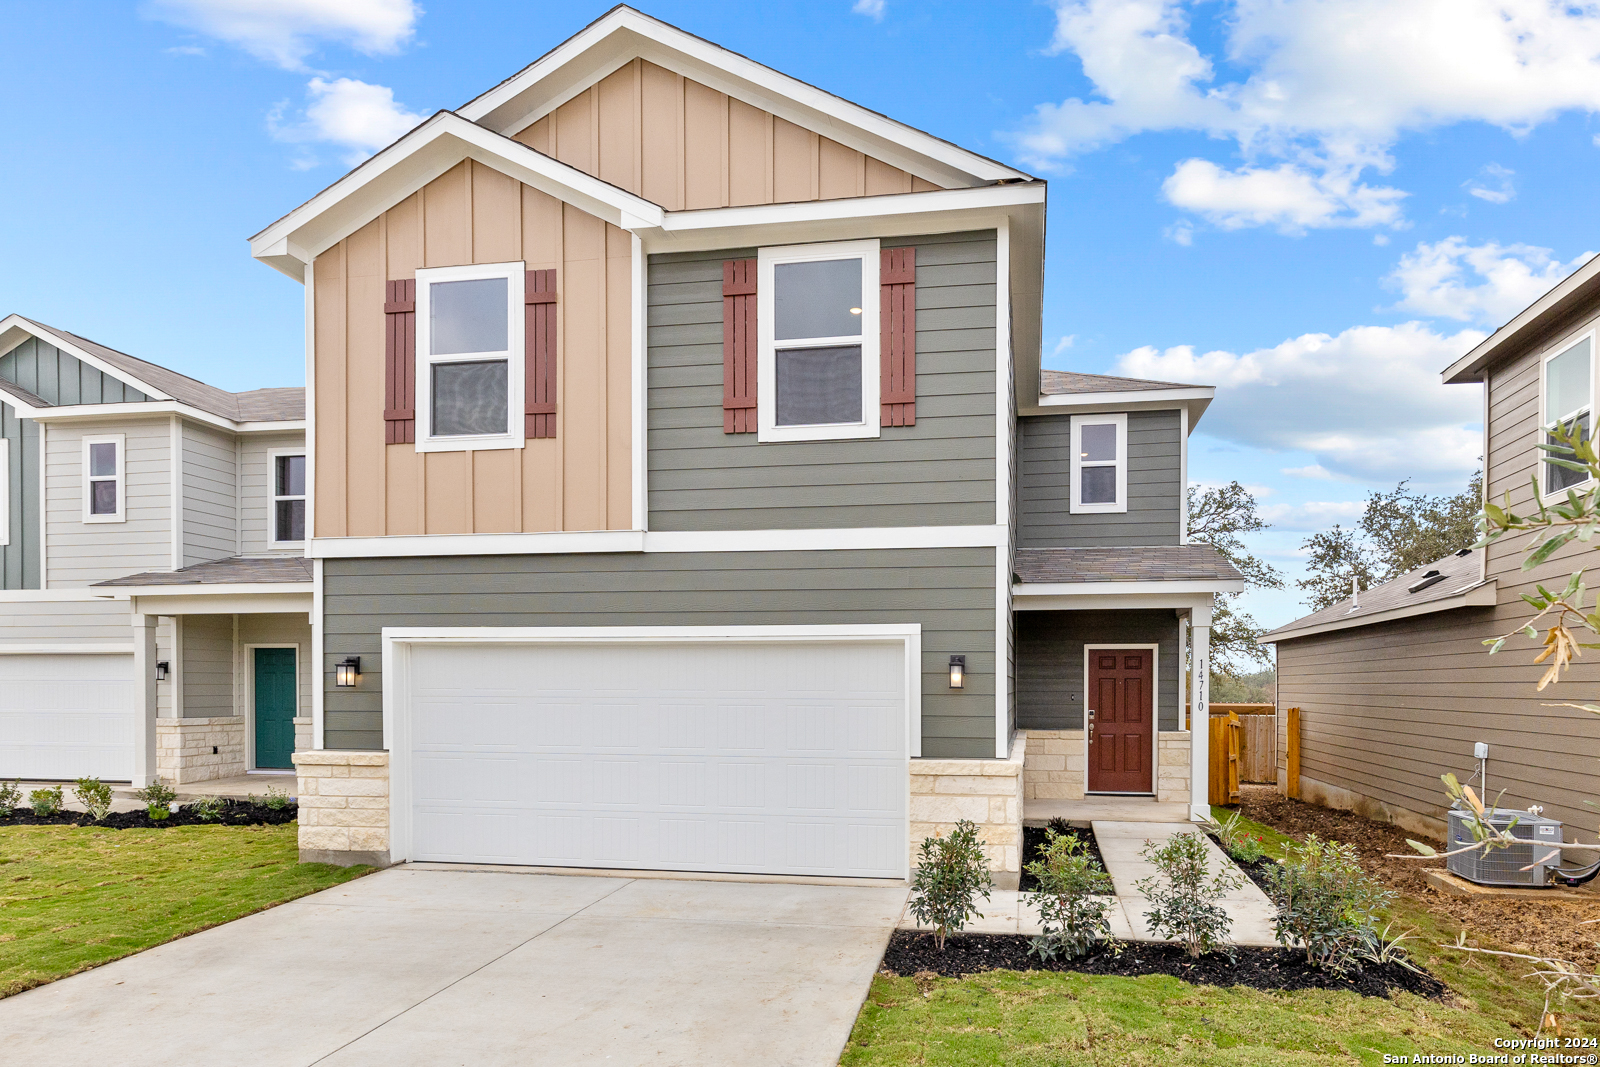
(1008, 912)
(437, 968)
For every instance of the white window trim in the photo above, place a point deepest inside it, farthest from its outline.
(1544, 364)
(767, 428)
(273, 497)
(121, 441)
(513, 437)
(5, 491)
(1120, 505)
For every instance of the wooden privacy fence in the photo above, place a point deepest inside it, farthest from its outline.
(1244, 748)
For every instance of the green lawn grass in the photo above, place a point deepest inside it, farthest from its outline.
(73, 898)
(1019, 1019)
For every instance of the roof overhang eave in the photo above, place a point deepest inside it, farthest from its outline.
(1175, 586)
(1582, 285)
(1481, 595)
(1195, 398)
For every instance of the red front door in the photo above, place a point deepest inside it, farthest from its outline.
(1121, 719)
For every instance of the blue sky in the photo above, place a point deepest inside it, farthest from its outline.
(1312, 204)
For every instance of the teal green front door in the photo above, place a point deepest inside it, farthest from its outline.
(275, 691)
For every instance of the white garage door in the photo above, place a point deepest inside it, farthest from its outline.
(766, 758)
(66, 717)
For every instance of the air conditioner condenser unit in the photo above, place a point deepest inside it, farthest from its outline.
(1504, 866)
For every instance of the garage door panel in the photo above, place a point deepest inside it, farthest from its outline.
(745, 757)
(66, 716)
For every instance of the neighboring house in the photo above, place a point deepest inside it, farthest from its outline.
(686, 495)
(148, 519)
(1395, 685)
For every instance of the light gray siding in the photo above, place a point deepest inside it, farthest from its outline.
(207, 662)
(19, 557)
(939, 472)
(276, 629)
(1050, 662)
(80, 553)
(54, 375)
(949, 592)
(210, 495)
(1155, 485)
(60, 622)
(255, 487)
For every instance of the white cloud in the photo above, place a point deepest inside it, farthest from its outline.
(1502, 192)
(354, 115)
(873, 9)
(186, 50)
(1312, 516)
(1181, 232)
(1365, 404)
(285, 32)
(1488, 283)
(1065, 343)
(1316, 470)
(1326, 88)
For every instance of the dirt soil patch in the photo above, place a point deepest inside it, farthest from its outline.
(913, 954)
(1533, 926)
(234, 813)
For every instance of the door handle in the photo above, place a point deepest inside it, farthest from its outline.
(1091, 725)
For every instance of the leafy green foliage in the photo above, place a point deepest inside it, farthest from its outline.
(277, 798)
(46, 802)
(208, 809)
(95, 796)
(1184, 893)
(158, 812)
(1326, 903)
(1237, 841)
(951, 874)
(157, 792)
(1071, 898)
(1220, 517)
(10, 796)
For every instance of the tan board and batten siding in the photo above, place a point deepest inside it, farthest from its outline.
(644, 129)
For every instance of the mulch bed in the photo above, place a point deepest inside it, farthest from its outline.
(237, 813)
(915, 954)
(1033, 838)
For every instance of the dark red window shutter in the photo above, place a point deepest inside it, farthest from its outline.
(400, 362)
(739, 346)
(539, 353)
(897, 329)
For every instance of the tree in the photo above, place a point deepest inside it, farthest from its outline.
(1398, 532)
(1220, 517)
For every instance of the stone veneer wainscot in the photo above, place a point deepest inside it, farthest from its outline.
(1054, 768)
(344, 807)
(183, 748)
(986, 791)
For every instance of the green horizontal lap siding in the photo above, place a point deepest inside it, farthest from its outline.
(949, 592)
(61, 378)
(1050, 662)
(938, 472)
(1155, 485)
(19, 559)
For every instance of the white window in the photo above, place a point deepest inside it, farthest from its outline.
(1568, 403)
(288, 517)
(1099, 463)
(469, 357)
(104, 481)
(5, 491)
(817, 360)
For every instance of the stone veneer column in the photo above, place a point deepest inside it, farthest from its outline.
(1172, 767)
(183, 748)
(344, 807)
(986, 791)
(1054, 766)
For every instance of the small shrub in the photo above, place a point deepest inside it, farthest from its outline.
(95, 796)
(1184, 899)
(158, 792)
(1237, 841)
(1326, 903)
(1071, 914)
(45, 802)
(158, 812)
(277, 798)
(10, 796)
(951, 873)
(209, 809)
(1384, 948)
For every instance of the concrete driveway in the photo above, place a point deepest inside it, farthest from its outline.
(480, 968)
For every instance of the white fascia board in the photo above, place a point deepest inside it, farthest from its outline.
(72, 412)
(1471, 365)
(475, 544)
(216, 589)
(1484, 595)
(271, 427)
(418, 158)
(166, 600)
(610, 541)
(1177, 602)
(1181, 587)
(1194, 400)
(9, 340)
(624, 34)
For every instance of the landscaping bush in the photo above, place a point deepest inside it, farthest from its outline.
(1326, 903)
(277, 798)
(1072, 917)
(1239, 843)
(1185, 900)
(209, 809)
(10, 796)
(951, 873)
(157, 797)
(95, 796)
(45, 801)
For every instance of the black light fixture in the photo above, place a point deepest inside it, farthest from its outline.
(161, 670)
(958, 672)
(346, 671)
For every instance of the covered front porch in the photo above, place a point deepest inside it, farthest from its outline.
(1113, 651)
(223, 670)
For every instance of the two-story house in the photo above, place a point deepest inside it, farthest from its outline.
(155, 608)
(685, 492)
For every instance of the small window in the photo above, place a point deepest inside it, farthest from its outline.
(288, 498)
(104, 486)
(1099, 463)
(817, 376)
(1568, 404)
(469, 357)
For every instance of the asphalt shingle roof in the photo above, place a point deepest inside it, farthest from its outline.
(1057, 382)
(1457, 573)
(237, 570)
(1159, 563)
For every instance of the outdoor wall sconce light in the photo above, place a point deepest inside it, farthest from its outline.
(346, 671)
(161, 671)
(958, 672)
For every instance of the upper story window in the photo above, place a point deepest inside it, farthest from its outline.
(817, 314)
(1099, 463)
(288, 498)
(104, 484)
(469, 357)
(1568, 403)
